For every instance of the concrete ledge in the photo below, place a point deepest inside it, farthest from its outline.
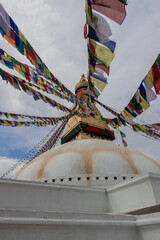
(25, 195)
(5, 213)
(72, 222)
(139, 178)
(140, 192)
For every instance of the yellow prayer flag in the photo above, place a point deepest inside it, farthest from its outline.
(143, 128)
(22, 37)
(91, 68)
(150, 77)
(6, 58)
(103, 53)
(119, 123)
(127, 114)
(143, 102)
(19, 124)
(58, 107)
(25, 51)
(8, 115)
(117, 129)
(98, 83)
(88, 10)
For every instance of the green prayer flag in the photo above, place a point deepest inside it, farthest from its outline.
(2, 74)
(48, 73)
(123, 1)
(136, 105)
(158, 61)
(122, 134)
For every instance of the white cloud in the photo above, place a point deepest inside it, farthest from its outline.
(6, 163)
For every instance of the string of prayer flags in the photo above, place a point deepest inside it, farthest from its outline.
(145, 93)
(26, 158)
(43, 122)
(100, 31)
(10, 62)
(107, 108)
(100, 49)
(21, 84)
(51, 141)
(10, 31)
(149, 132)
(103, 56)
(21, 123)
(34, 118)
(113, 9)
(29, 155)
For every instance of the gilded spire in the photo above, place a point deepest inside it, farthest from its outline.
(90, 126)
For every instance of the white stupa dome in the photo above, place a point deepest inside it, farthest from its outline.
(84, 162)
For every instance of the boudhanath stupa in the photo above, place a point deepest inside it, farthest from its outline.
(87, 188)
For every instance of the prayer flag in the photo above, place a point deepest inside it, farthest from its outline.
(100, 27)
(95, 62)
(126, 113)
(103, 68)
(158, 61)
(88, 10)
(143, 99)
(99, 72)
(99, 82)
(156, 126)
(85, 31)
(101, 52)
(110, 44)
(113, 9)
(124, 143)
(136, 104)
(156, 76)
(122, 134)
(149, 92)
(123, 1)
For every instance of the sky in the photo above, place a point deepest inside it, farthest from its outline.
(54, 28)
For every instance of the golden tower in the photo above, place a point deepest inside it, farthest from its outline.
(90, 127)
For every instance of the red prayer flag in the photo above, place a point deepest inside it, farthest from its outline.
(85, 31)
(156, 126)
(112, 9)
(130, 105)
(102, 67)
(124, 143)
(27, 72)
(156, 76)
(91, 47)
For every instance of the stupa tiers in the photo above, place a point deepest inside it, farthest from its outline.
(86, 127)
